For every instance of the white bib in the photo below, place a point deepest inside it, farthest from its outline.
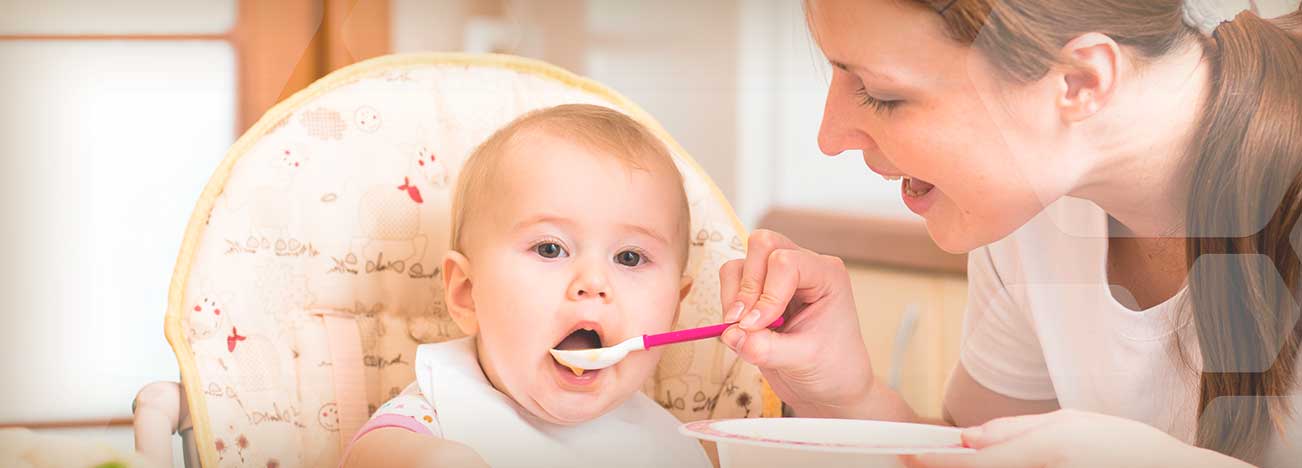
(470, 411)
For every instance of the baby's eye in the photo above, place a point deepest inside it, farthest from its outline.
(549, 250)
(629, 258)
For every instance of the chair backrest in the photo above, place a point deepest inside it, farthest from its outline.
(309, 270)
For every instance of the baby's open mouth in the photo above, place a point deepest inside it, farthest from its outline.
(582, 338)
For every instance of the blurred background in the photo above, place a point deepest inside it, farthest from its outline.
(116, 112)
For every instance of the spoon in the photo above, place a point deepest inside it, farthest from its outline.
(579, 360)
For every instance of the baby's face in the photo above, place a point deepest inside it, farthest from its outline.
(573, 240)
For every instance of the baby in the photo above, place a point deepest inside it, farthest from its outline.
(569, 231)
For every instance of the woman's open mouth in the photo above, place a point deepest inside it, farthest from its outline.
(916, 187)
(914, 191)
(912, 186)
(918, 195)
(581, 338)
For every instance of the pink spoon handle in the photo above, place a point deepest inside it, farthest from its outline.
(693, 334)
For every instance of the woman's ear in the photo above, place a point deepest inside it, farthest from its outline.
(457, 286)
(1090, 78)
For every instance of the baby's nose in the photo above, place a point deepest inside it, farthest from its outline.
(590, 285)
(585, 293)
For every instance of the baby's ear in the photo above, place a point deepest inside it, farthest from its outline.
(457, 287)
(685, 288)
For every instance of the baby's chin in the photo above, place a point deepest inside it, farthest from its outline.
(555, 395)
(559, 405)
(570, 408)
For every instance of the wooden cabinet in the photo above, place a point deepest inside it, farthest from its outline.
(910, 294)
(911, 322)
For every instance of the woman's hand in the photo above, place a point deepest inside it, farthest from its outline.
(1069, 438)
(817, 362)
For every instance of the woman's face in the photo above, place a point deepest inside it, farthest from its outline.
(980, 155)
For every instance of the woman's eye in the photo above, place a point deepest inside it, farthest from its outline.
(628, 258)
(549, 250)
(878, 105)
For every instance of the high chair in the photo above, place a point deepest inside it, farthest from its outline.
(309, 270)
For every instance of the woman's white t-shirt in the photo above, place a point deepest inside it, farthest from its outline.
(1043, 324)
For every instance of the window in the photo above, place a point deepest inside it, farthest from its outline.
(116, 115)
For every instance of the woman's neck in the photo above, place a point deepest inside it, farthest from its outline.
(1144, 271)
(1137, 172)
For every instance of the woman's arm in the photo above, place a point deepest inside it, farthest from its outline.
(880, 403)
(968, 403)
(817, 362)
(395, 446)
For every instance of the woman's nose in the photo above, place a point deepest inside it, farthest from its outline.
(590, 283)
(841, 129)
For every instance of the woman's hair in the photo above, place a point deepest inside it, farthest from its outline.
(1245, 194)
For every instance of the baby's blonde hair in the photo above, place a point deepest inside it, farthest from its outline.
(609, 132)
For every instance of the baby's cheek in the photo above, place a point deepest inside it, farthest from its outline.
(668, 309)
(639, 367)
(655, 300)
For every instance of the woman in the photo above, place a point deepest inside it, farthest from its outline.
(1125, 176)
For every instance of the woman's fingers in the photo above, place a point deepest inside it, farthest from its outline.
(998, 431)
(757, 347)
(1018, 441)
(750, 282)
(789, 272)
(782, 274)
(779, 278)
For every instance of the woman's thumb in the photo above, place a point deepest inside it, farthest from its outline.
(764, 348)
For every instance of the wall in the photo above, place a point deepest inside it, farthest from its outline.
(677, 59)
(782, 83)
(738, 83)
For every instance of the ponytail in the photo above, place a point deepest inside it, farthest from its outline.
(1244, 241)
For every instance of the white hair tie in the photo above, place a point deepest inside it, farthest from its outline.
(1206, 15)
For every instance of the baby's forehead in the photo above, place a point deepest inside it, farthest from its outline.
(521, 156)
(543, 163)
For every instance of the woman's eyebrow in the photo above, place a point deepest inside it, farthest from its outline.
(861, 70)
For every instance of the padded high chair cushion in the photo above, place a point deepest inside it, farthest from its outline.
(309, 271)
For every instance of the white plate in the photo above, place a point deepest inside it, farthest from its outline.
(830, 435)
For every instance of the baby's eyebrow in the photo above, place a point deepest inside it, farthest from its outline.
(645, 231)
(542, 219)
(568, 223)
